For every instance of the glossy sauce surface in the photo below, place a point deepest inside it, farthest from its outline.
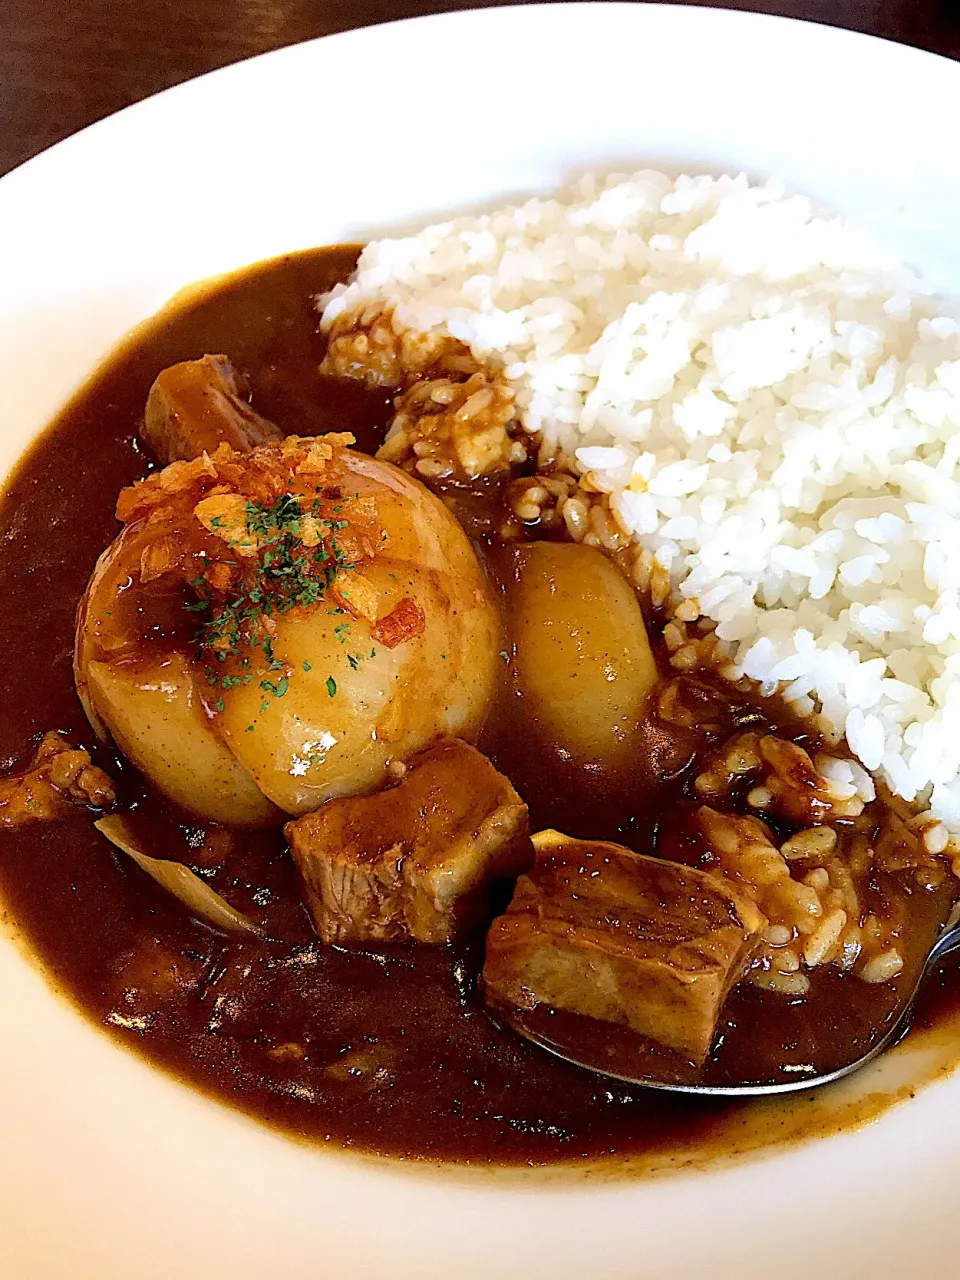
(388, 1050)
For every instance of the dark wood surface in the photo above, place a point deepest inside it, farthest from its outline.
(66, 63)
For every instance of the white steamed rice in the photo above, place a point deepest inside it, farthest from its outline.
(772, 405)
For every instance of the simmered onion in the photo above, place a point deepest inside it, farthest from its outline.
(316, 695)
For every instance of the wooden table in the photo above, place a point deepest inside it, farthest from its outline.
(66, 63)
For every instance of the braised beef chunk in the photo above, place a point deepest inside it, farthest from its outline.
(614, 935)
(198, 405)
(57, 774)
(414, 861)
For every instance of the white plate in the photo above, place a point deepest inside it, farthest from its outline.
(107, 1168)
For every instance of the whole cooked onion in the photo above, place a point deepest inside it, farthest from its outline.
(276, 628)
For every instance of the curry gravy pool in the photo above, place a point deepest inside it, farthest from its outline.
(384, 1048)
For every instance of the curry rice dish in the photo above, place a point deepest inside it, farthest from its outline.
(368, 708)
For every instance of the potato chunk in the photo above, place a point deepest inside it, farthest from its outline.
(620, 937)
(581, 661)
(414, 861)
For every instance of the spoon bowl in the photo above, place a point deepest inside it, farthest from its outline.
(621, 1055)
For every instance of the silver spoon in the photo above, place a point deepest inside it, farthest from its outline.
(540, 1030)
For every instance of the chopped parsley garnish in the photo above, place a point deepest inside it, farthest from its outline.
(285, 573)
(278, 689)
(331, 686)
(307, 666)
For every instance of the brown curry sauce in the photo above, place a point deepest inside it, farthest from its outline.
(387, 1050)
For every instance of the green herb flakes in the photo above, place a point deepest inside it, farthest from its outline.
(285, 574)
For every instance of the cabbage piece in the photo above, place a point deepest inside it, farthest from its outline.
(195, 894)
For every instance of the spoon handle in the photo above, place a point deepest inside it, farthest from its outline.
(945, 945)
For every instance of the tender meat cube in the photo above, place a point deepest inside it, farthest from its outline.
(195, 406)
(57, 773)
(414, 861)
(600, 931)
